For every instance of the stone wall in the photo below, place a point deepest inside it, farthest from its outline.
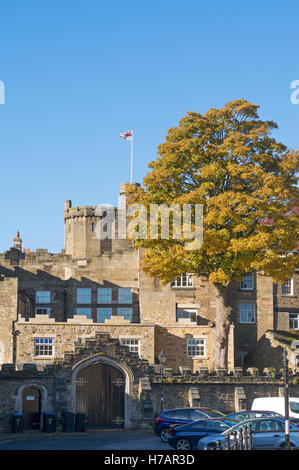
(8, 315)
(68, 335)
(285, 304)
(224, 392)
(12, 383)
(222, 396)
(268, 351)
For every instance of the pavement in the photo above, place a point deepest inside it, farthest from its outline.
(90, 440)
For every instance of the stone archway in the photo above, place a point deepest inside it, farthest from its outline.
(40, 393)
(31, 408)
(102, 389)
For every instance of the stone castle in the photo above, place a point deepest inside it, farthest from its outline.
(87, 322)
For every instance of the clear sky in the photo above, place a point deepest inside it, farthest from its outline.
(79, 72)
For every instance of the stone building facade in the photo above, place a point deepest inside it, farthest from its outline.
(94, 292)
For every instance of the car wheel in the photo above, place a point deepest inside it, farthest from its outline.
(211, 446)
(164, 434)
(183, 444)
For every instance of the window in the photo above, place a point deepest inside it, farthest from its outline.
(247, 282)
(186, 280)
(42, 311)
(186, 313)
(199, 426)
(218, 426)
(132, 343)
(287, 287)
(103, 314)
(84, 296)
(195, 414)
(241, 426)
(242, 417)
(178, 414)
(196, 347)
(294, 321)
(43, 347)
(104, 296)
(124, 295)
(269, 425)
(247, 313)
(127, 313)
(43, 297)
(84, 311)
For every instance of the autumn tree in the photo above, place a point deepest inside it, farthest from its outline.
(227, 160)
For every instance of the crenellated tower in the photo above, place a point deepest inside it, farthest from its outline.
(80, 224)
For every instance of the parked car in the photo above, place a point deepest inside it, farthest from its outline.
(243, 415)
(186, 437)
(277, 404)
(181, 416)
(267, 433)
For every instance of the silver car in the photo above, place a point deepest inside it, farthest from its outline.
(267, 433)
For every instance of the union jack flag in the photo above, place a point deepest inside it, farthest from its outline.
(127, 135)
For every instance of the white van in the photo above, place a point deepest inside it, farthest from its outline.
(276, 404)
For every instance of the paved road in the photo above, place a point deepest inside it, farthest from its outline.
(113, 440)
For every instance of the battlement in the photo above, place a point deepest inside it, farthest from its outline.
(83, 211)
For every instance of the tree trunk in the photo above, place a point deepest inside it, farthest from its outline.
(222, 326)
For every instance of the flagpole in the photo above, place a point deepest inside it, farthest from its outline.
(132, 157)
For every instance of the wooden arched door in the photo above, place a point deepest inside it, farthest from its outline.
(100, 395)
(31, 407)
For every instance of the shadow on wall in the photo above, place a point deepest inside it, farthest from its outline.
(265, 355)
(64, 294)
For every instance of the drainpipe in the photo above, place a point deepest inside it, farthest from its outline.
(15, 334)
(64, 303)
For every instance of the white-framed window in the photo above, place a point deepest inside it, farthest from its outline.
(247, 282)
(132, 343)
(43, 297)
(185, 280)
(103, 314)
(84, 296)
(44, 347)
(294, 321)
(196, 347)
(127, 313)
(84, 311)
(186, 313)
(287, 287)
(125, 295)
(247, 313)
(42, 311)
(104, 295)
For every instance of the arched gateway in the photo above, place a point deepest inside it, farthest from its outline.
(101, 387)
(100, 395)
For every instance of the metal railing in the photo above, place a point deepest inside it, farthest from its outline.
(235, 440)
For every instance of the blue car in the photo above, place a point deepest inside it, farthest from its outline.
(243, 415)
(181, 416)
(186, 437)
(267, 433)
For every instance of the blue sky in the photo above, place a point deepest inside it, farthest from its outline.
(77, 73)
